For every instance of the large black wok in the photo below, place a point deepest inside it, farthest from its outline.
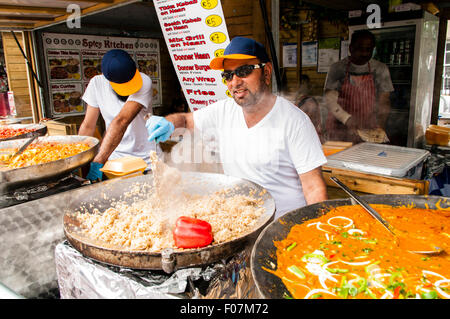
(264, 251)
(101, 196)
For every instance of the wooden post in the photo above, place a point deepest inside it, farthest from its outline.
(442, 39)
(33, 85)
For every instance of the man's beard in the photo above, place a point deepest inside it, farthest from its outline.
(121, 97)
(253, 98)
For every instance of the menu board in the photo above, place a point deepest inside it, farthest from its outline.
(195, 32)
(72, 60)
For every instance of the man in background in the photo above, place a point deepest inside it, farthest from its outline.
(357, 91)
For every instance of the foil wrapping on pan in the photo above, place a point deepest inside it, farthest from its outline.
(82, 278)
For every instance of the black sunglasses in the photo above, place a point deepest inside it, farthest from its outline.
(242, 71)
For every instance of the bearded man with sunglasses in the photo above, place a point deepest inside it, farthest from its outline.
(261, 137)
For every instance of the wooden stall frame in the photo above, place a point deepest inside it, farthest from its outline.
(375, 184)
(33, 85)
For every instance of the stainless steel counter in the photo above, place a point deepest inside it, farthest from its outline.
(29, 233)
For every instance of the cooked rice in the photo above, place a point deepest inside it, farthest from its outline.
(146, 225)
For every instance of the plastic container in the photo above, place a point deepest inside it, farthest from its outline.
(438, 135)
(128, 166)
(391, 160)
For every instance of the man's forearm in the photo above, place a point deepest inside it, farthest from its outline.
(317, 195)
(181, 120)
(331, 98)
(86, 130)
(110, 141)
(314, 187)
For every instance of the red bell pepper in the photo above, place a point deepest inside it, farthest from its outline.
(192, 233)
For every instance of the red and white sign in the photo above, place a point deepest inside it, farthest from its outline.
(195, 33)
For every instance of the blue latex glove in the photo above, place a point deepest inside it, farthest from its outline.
(159, 129)
(94, 172)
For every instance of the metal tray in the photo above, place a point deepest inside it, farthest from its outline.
(39, 130)
(13, 178)
(264, 252)
(101, 195)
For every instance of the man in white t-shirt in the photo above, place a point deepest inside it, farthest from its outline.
(123, 96)
(261, 137)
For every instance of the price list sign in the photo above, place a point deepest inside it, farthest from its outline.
(195, 32)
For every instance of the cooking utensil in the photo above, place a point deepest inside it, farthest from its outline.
(264, 252)
(101, 196)
(24, 146)
(6, 157)
(377, 216)
(13, 178)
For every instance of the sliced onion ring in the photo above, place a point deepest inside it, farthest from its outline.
(439, 290)
(341, 217)
(358, 263)
(428, 272)
(315, 291)
(355, 230)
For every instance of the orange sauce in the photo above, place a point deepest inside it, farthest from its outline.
(347, 254)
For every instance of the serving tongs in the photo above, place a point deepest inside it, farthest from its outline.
(21, 149)
(434, 249)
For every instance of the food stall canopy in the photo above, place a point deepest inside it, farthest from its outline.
(27, 15)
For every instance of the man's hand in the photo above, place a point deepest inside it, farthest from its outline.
(352, 129)
(351, 124)
(94, 173)
(159, 129)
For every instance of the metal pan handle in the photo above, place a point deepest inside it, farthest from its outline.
(363, 203)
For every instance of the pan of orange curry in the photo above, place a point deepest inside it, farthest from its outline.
(336, 250)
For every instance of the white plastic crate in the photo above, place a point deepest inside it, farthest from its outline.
(391, 160)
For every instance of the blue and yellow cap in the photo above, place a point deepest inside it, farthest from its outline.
(120, 70)
(241, 48)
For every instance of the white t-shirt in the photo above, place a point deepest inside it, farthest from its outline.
(272, 153)
(100, 94)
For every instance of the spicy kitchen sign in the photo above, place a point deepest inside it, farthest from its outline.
(195, 32)
(72, 60)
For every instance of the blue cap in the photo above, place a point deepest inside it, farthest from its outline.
(120, 70)
(241, 48)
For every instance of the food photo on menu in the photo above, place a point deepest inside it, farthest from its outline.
(65, 67)
(91, 67)
(67, 98)
(147, 63)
